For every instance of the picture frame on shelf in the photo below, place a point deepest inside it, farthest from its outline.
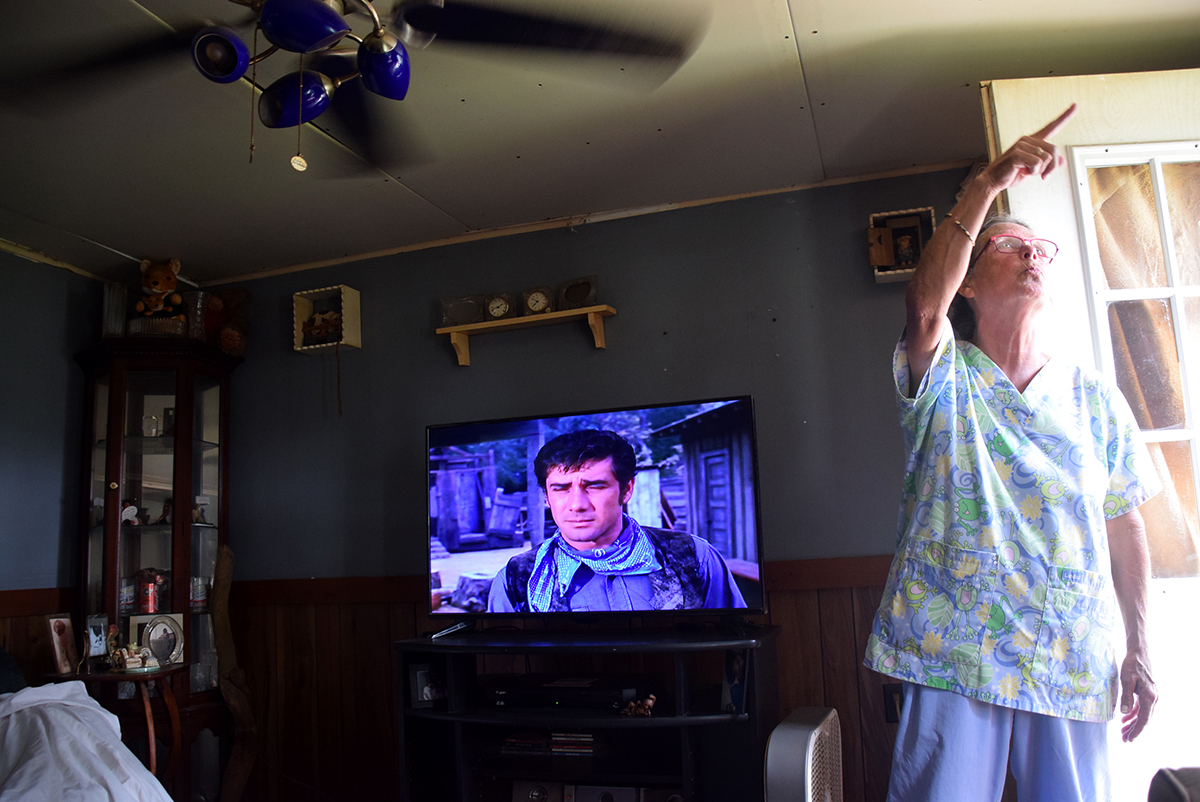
(577, 293)
(97, 629)
(156, 631)
(426, 686)
(463, 310)
(62, 638)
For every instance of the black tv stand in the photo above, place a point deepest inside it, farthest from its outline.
(688, 744)
(740, 625)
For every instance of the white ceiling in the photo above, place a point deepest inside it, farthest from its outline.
(778, 94)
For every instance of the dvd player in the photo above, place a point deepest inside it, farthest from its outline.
(584, 693)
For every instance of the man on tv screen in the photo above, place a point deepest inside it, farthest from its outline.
(600, 558)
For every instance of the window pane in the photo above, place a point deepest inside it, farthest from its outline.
(1182, 183)
(1171, 519)
(1191, 346)
(1127, 231)
(1147, 362)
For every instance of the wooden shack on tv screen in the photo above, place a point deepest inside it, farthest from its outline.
(718, 458)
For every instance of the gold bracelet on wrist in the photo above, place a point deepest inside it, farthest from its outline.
(961, 227)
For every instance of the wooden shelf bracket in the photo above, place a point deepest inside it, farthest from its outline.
(460, 335)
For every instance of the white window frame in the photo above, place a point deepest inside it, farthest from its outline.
(1155, 155)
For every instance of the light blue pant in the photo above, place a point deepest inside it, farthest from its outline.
(954, 749)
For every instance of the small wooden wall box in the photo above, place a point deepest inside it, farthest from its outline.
(339, 299)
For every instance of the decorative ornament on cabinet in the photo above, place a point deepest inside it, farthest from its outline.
(159, 311)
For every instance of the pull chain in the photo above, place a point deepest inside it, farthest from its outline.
(253, 83)
(337, 357)
(298, 161)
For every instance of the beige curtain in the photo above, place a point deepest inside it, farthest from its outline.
(1143, 336)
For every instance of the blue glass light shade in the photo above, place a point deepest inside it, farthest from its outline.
(301, 26)
(383, 65)
(219, 54)
(294, 99)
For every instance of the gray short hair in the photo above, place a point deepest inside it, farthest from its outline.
(981, 242)
(962, 316)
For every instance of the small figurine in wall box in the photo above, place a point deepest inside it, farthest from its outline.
(158, 287)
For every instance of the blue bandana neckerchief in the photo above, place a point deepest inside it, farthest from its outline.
(556, 562)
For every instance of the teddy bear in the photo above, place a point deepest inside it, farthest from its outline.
(158, 285)
(150, 305)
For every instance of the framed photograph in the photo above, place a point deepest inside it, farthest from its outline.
(97, 629)
(161, 633)
(426, 686)
(62, 638)
(895, 241)
(733, 684)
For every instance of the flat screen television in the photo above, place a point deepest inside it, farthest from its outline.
(639, 509)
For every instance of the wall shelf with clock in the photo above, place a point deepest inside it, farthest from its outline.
(460, 335)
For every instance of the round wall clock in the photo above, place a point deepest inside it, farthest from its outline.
(501, 305)
(539, 300)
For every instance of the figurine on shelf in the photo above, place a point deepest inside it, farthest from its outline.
(133, 656)
(198, 515)
(165, 518)
(110, 641)
(129, 513)
(642, 707)
(159, 290)
(323, 327)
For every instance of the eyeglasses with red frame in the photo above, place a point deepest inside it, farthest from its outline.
(1011, 243)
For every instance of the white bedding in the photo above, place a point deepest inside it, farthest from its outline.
(58, 745)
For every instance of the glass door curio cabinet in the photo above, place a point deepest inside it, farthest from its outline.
(156, 455)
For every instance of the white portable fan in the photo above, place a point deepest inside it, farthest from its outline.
(804, 757)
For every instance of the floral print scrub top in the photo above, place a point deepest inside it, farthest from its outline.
(1001, 588)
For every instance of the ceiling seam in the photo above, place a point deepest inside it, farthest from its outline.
(583, 219)
(807, 93)
(33, 255)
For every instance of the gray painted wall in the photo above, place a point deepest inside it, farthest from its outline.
(768, 296)
(49, 315)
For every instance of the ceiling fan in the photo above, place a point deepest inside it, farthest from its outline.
(319, 28)
(319, 31)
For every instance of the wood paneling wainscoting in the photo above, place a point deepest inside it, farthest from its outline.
(318, 657)
(24, 632)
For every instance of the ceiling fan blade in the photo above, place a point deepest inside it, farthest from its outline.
(90, 74)
(467, 22)
(373, 127)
